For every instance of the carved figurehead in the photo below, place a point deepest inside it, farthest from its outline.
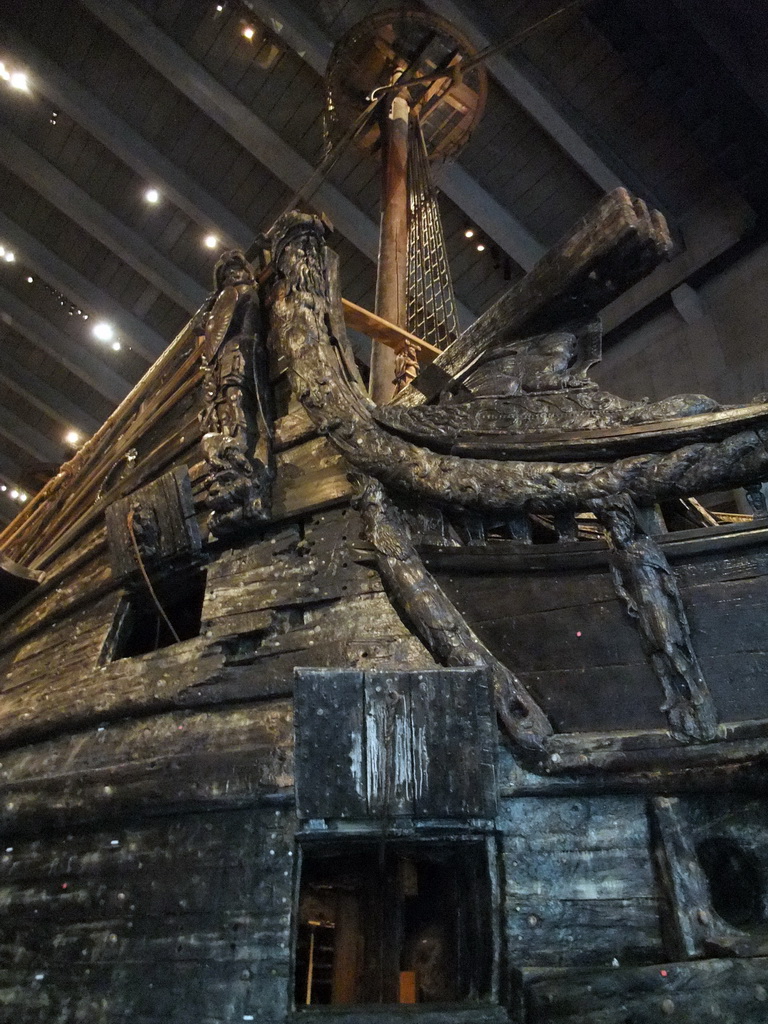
(236, 419)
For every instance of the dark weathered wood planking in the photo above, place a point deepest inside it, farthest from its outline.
(579, 885)
(710, 992)
(169, 505)
(383, 744)
(330, 750)
(590, 674)
(142, 921)
(232, 758)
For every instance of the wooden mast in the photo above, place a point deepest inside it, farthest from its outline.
(393, 242)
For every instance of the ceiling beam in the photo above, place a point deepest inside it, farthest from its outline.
(10, 469)
(127, 144)
(104, 226)
(29, 439)
(310, 43)
(519, 87)
(48, 400)
(712, 228)
(51, 268)
(78, 360)
(241, 123)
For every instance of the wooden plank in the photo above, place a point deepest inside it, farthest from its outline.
(330, 744)
(381, 330)
(708, 992)
(389, 762)
(454, 759)
(309, 476)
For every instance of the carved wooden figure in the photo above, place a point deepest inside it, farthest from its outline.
(237, 419)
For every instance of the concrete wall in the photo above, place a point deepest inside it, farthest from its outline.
(713, 341)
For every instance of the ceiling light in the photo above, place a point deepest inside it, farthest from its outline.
(480, 247)
(72, 437)
(116, 346)
(18, 80)
(9, 257)
(22, 496)
(469, 233)
(152, 195)
(249, 31)
(4, 72)
(14, 495)
(211, 241)
(30, 280)
(3, 487)
(219, 8)
(103, 331)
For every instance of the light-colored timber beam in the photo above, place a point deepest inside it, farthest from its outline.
(132, 148)
(241, 123)
(134, 333)
(530, 98)
(381, 330)
(310, 43)
(29, 439)
(78, 360)
(104, 226)
(48, 400)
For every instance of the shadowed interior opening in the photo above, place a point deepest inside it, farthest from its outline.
(736, 882)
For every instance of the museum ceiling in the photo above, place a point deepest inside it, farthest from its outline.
(142, 138)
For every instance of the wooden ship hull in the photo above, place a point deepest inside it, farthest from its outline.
(322, 693)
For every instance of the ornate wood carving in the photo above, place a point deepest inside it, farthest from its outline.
(237, 419)
(301, 314)
(646, 584)
(162, 518)
(613, 246)
(307, 328)
(440, 626)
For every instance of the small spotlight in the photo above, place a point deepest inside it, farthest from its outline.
(22, 496)
(2, 250)
(4, 72)
(116, 346)
(480, 247)
(14, 494)
(152, 195)
(249, 31)
(211, 241)
(72, 437)
(219, 8)
(30, 280)
(103, 331)
(3, 487)
(9, 257)
(469, 233)
(18, 80)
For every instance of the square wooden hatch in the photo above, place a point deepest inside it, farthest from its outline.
(383, 744)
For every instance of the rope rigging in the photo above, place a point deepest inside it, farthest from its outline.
(431, 305)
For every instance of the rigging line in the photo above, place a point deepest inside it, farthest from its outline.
(314, 181)
(129, 520)
(489, 51)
